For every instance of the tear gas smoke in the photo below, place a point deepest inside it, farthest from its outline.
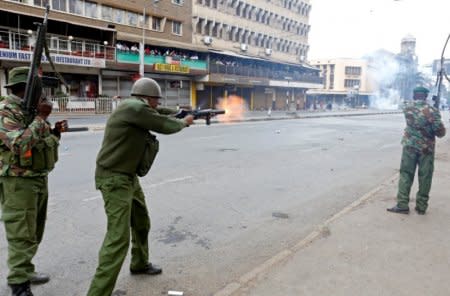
(383, 70)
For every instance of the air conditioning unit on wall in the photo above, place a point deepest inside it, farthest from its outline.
(268, 51)
(244, 47)
(207, 40)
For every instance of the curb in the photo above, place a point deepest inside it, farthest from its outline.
(321, 230)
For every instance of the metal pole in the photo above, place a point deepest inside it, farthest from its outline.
(141, 47)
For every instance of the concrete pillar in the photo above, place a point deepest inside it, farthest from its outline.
(3, 91)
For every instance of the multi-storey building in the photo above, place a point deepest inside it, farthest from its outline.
(346, 81)
(101, 47)
(96, 44)
(257, 49)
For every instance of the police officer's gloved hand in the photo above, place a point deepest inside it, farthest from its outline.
(44, 108)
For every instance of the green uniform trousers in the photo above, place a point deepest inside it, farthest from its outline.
(125, 209)
(24, 211)
(425, 163)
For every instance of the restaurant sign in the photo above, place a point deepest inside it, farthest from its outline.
(25, 56)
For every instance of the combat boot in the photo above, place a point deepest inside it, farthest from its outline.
(21, 289)
(149, 269)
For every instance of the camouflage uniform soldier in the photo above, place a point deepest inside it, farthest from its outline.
(27, 154)
(128, 151)
(423, 124)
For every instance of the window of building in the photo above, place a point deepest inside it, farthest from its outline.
(178, 2)
(230, 33)
(132, 18)
(107, 13)
(40, 2)
(198, 27)
(215, 30)
(176, 28)
(351, 82)
(118, 16)
(156, 24)
(352, 70)
(59, 5)
(331, 76)
(90, 9)
(76, 6)
(208, 27)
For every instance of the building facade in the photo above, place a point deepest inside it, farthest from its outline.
(256, 50)
(96, 44)
(346, 81)
(101, 47)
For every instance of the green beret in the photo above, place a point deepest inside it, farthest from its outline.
(421, 89)
(17, 75)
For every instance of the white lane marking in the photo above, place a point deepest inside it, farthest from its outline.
(205, 138)
(149, 186)
(92, 198)
(170, 181)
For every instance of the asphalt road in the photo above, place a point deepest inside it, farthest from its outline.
(223, 199)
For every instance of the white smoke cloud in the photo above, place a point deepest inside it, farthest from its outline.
(383, 70)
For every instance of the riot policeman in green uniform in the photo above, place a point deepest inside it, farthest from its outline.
(28, 152)
(127, 152)
(423, 125)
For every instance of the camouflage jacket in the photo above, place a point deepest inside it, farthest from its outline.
(17, 139)
(423, 124)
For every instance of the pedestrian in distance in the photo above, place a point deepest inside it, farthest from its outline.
(28, 152)
(423, 125)
(127, 152)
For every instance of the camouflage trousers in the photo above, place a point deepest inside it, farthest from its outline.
(24, 211)
(125, 210)
(425, 163)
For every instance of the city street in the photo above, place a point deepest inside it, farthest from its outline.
(223, 199)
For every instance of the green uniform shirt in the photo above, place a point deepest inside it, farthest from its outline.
(17, 139)
(125, 133)
(423, 124)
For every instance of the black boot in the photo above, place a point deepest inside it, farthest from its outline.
(149, 269)
(21, 289)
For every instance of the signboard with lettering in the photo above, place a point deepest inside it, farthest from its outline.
(171, 68)
(25, 56)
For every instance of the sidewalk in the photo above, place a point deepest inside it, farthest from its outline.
(364, 250)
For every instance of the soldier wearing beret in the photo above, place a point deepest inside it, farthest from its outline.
(423, 125)
(28, 152)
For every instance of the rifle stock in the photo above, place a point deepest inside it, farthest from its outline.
(33, 87)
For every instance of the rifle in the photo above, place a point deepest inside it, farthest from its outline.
(440, 75)
(33, 87)
(205, 113)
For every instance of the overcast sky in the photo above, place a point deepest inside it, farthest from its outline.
(353, 28)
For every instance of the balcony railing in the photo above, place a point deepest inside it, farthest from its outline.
(58, 45)
(248, 71)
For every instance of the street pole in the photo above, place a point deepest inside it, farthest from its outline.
(141, 47)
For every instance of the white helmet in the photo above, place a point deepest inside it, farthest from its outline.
(146, 87)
